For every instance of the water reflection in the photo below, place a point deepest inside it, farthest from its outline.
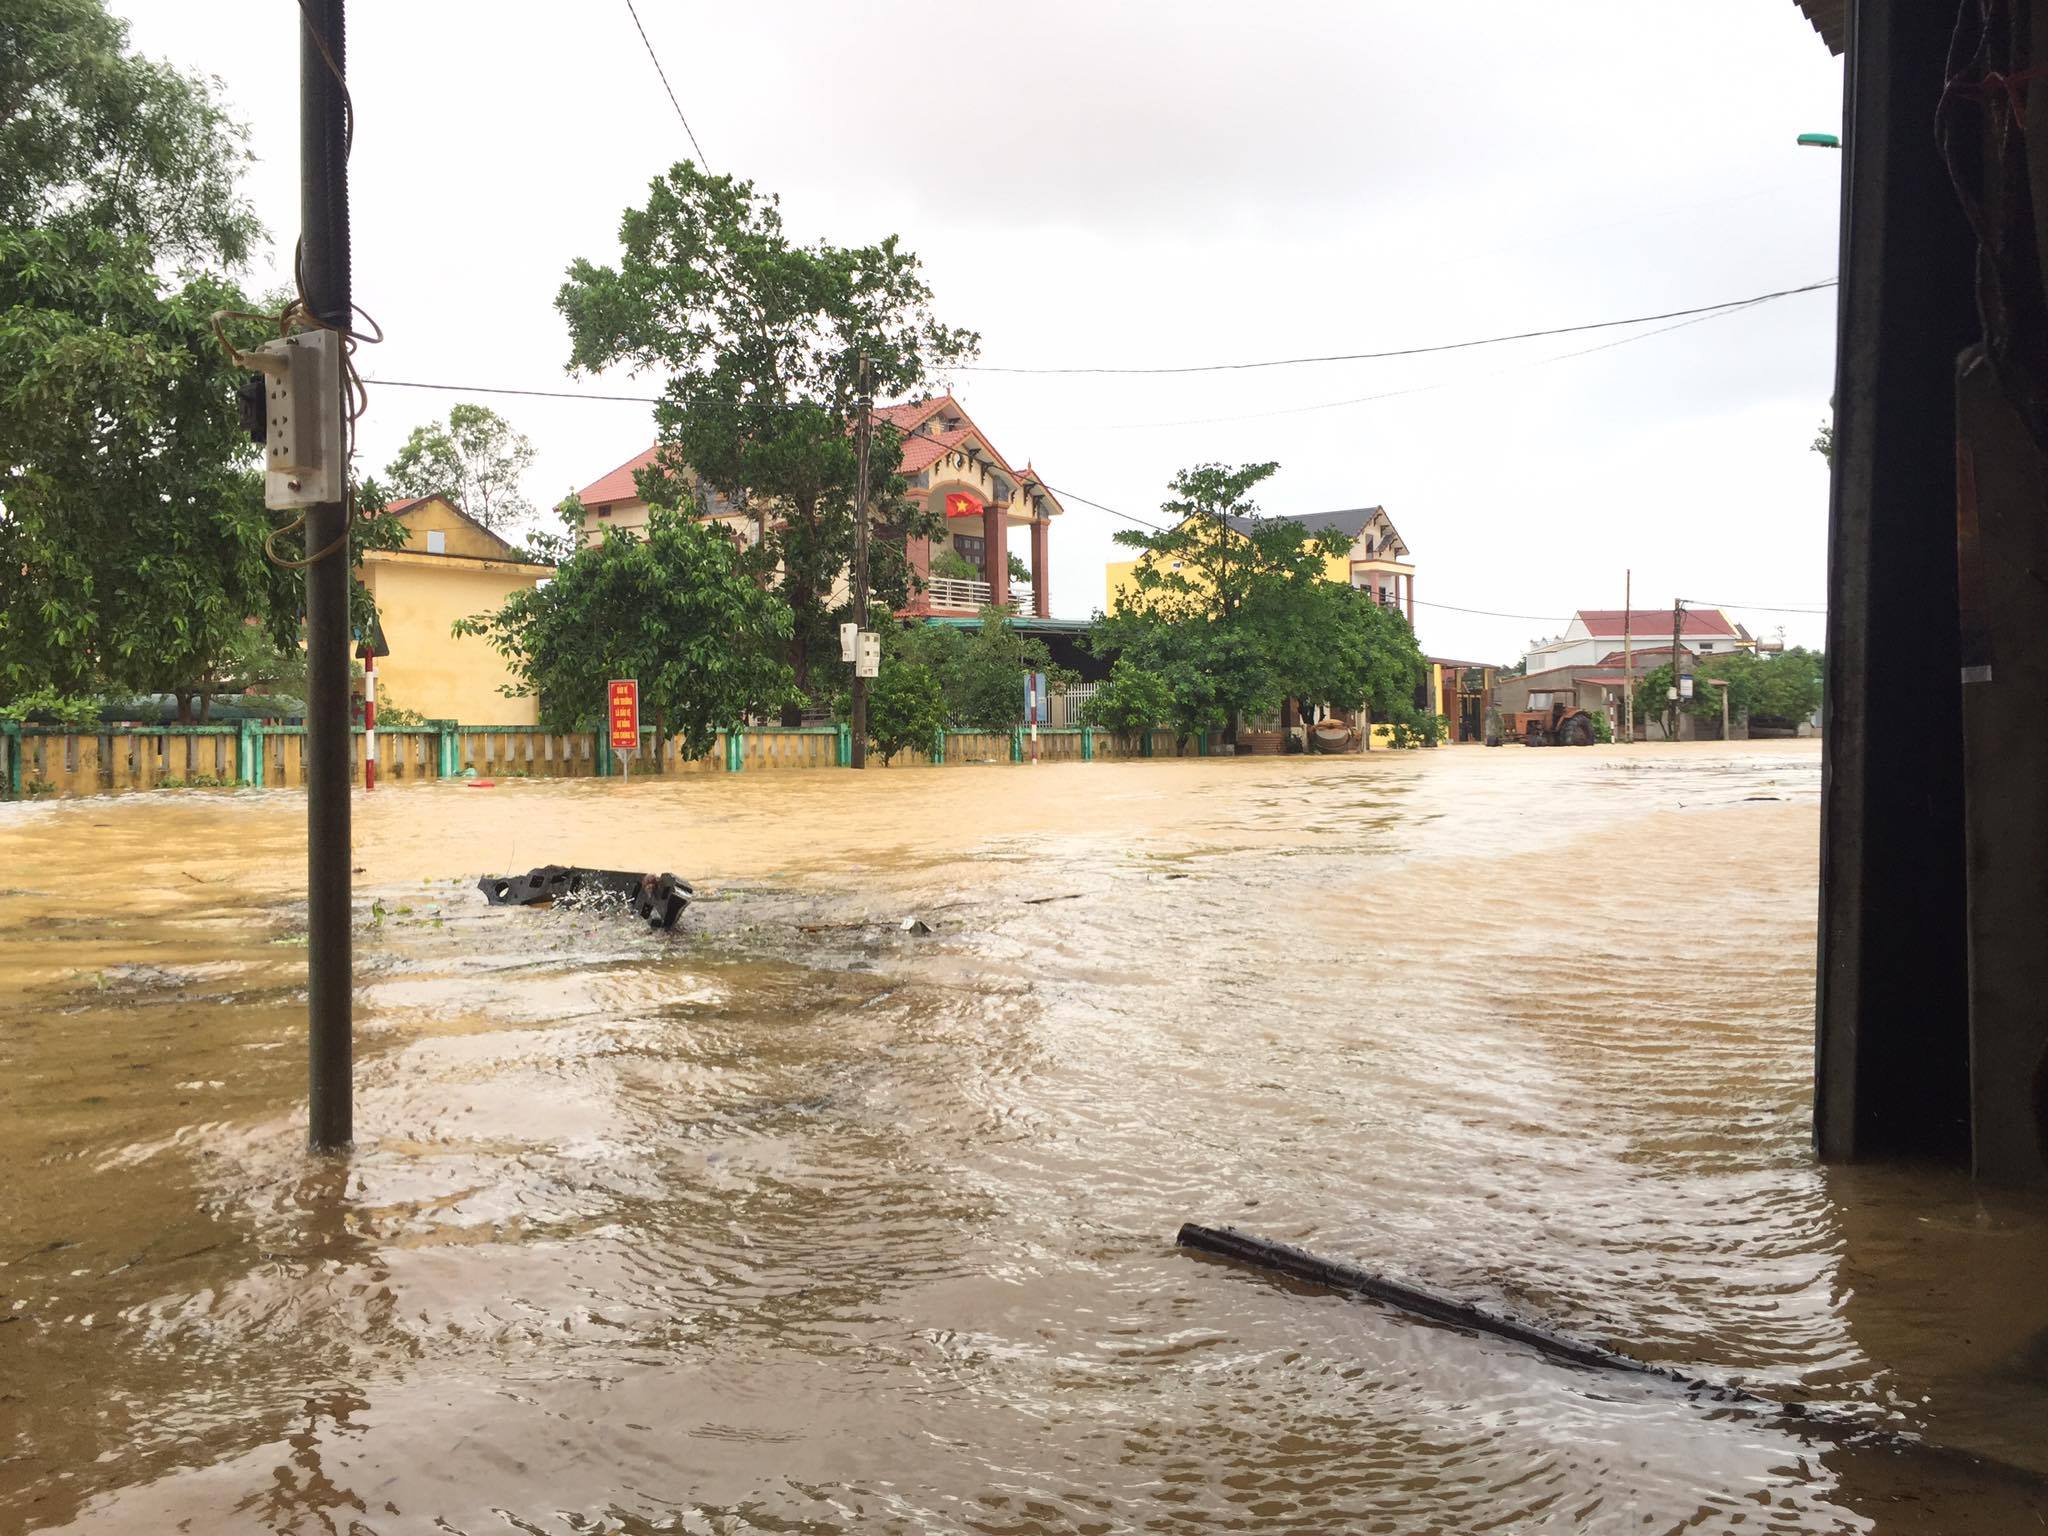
(797, 1222)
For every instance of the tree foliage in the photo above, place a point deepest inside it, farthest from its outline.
(906, 709)
(1129, 701)
(1234, 613)
(980, 672)
(132, 549)
(132, 526)
(98, 142)
(678, 609)
(1785, 688)
(760, 338)
(476, 461)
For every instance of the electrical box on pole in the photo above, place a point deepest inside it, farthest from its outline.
(848, 640)
(867, 661)
(300, 426)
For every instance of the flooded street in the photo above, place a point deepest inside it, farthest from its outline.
(792, 1222)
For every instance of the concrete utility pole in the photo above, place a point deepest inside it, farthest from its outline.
(1677, 697)
(861, 434)
(324, 279)
(1628, 656)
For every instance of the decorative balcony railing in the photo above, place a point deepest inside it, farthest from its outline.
(954, 595)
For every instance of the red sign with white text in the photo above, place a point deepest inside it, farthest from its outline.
(624, 699)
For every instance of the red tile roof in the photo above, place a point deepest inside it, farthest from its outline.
(618, 485)
(907, 415)
(920, 453)
(1604, 622)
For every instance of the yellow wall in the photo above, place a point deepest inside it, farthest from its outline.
(462, 536)
(420, 596)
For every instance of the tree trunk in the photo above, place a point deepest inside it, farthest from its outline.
(184, 706)
(205, 706)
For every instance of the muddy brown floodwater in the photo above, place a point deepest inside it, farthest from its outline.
(793, 1222)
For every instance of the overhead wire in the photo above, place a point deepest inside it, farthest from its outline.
(1418, 351)
(1423, 389)
(648, 44)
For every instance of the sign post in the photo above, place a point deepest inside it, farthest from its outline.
(623, 710)
(1036, 706)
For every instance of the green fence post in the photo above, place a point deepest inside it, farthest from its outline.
(845, 745)
(13, 729)
(1145, 746)
(735, 751)
(1017, 744)
(444, 750)
(1087, 743)
(1201, 743)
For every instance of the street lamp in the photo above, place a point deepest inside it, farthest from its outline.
(1820, 140)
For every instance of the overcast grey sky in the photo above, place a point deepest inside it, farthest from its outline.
(1162, 183)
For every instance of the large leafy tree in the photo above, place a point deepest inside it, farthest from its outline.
(760, 339)
(678, 609)
(134, 545)
(98, 141)
(1233, 613)
(477, 460)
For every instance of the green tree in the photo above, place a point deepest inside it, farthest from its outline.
(1235, 613)
(905, 709)
(1783, 688)
(134, 545)
(760, 340)
(476, 461)
(1129, 701)
(96, 141)
(677, 609)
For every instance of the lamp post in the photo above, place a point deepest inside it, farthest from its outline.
(1820, 140)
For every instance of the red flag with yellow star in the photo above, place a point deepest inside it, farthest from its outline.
(962, 504)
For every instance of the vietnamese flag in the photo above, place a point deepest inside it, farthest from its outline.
(962, 504)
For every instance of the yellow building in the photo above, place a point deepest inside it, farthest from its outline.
(1376, 561)
(452, 567)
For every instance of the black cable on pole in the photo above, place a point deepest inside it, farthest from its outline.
(1447, 346)
(646, 43)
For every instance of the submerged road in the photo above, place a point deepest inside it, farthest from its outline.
(790, 1221)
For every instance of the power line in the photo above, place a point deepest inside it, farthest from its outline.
(1098, 506)
(1423, 389)
(1491, 613)
(667, 87)
(1701, 602)
(1447, 346)
(490, 389)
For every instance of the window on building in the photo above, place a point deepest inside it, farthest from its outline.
(437, 542)
(605, 510)
(970, 548)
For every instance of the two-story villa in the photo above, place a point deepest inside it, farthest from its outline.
(952, 469)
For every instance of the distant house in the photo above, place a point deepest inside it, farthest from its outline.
(952, 469)
(1596, 632)
(450, 568)
(1376, 560)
